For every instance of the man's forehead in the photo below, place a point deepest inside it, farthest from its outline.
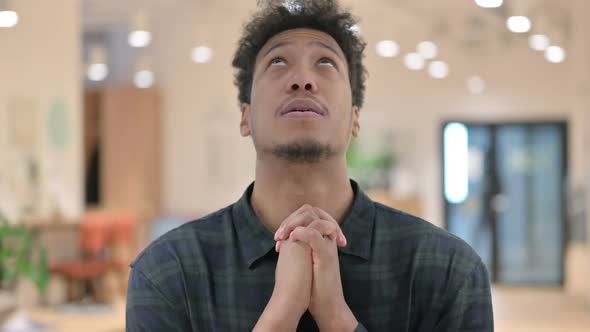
(300, 34)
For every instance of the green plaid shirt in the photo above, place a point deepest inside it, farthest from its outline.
(399, 273)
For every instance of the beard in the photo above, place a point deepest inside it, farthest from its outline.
(305, 152)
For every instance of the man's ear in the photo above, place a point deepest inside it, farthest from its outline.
(245, 120)
(356, 126)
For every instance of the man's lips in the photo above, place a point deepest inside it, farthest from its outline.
(302, 108)
(302, 114)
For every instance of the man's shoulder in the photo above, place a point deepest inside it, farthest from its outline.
(422, 239)
(437, 259)
(405, 224)
(185, 241)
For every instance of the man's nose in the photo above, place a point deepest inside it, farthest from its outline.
(307, 87)
(302, 82)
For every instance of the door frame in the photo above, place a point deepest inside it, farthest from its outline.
(564, 126)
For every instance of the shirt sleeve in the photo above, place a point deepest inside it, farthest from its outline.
(149, 310)
(470, 309)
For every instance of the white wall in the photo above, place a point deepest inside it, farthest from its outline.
(206, 164)
(39, 65)
(587, 145)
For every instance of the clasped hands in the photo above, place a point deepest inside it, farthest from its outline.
(307, 275)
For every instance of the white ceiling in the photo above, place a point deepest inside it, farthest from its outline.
(100, 14)
(457, 24)
(104, 14)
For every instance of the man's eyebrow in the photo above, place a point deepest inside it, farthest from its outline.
(326, 46)
(277, 45)
(314, 42)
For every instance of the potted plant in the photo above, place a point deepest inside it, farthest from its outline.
(20, 256)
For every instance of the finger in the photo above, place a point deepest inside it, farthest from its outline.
(303, 217)
(292, 215)
(278, 245)
(341, 240)
(326, 228)
(310, 236)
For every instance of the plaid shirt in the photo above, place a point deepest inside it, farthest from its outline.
(399, 273)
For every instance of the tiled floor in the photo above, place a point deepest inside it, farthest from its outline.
(539, 310)
(516, 310)
(64, 321)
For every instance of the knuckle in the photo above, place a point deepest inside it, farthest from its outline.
(307, 207)
(317, 225)
(286, 224)
(328, 225)
(309, 215)
(299, 230)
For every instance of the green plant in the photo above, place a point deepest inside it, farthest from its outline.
(20, 256)
(358, 159)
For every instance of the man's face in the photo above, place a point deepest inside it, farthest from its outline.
(301, 96)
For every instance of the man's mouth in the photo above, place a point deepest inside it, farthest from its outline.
(302, 108)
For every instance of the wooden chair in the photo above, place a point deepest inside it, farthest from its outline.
(93, 262)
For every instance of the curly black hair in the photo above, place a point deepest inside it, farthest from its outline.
(278, 16)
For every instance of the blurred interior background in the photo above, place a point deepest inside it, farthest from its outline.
(119, 121)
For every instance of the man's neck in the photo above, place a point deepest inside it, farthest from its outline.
(281, 188)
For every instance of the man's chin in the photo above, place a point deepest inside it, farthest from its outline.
(303, 151)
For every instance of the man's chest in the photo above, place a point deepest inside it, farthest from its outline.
(234, 300)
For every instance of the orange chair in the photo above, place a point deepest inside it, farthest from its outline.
(123, 229)
(93, 264)
(122, 245)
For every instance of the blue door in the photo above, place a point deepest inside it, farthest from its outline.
(503, 194)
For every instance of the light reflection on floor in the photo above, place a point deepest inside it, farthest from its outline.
(539, 310)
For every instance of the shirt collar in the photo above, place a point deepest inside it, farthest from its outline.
(255, 240)
(358, 225)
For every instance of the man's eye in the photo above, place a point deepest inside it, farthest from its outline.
(277, 62)
(326, 62)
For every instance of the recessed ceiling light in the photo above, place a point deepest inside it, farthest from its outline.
(555, 54)
(414, 61)
(140, 38)
(518, 24)
(387, 48)
(438, 69)
(476, 85)
(97, 72)
(202, 54)
(144, 79)
(539, 42)
(489, 3)
(8, 19)
(427, 49)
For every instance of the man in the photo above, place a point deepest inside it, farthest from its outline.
(304, 248)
